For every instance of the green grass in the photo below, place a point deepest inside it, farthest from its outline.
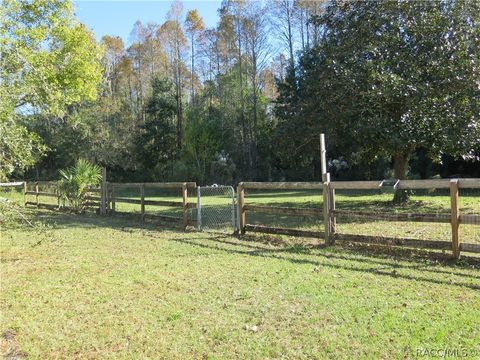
(92, 287)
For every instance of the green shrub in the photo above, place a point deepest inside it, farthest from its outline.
(74, 184)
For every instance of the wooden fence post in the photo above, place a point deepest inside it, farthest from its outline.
(142, 201)
(328, 194)
(24, 193)
(185, 205)
(103, 192)
(326, 209)
(36, 193)
(333, 219)
(241, 207)
(112, 197)
(455, 216)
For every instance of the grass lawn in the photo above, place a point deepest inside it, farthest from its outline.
(92, 287)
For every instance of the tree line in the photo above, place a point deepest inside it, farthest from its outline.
(394, 85)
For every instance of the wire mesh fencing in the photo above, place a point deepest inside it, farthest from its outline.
(299, 209)
(422, 215)
(216, 208)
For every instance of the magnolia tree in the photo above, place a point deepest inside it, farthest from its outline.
(396, 76)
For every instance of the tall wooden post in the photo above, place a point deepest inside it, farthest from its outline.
(327, 193)
(103, 192)
(241, 207)
(142, 201)
(455, 215)
(185, 205)
(323, 156)
(36, 193)
(24, 193)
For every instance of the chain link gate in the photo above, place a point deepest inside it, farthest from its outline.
(216, 208)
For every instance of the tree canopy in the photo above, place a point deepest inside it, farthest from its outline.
(394, 85)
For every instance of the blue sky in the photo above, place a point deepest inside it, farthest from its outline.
(117, 17)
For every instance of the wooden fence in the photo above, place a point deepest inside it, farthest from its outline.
(329, 214)
(105, 200)
(93, 196)
(109, 205)
(243, 208)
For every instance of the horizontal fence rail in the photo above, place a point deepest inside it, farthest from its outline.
(405, 217)
(283, 185)
(12, 184)
(406, 184)
(111, 200)
(277, 210)
(330, 213)
(167, 185)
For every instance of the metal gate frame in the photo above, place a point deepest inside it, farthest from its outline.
(234, 209)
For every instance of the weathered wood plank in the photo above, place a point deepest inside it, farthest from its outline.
(166, 185)
(416, 243)
(12, 184)
(148, 202)
(469, 183)
(283, 185)
(455, 208)
(326, 209)
(469, 219)
(164, 203)
(241, 206)
(402, 217)
(126, 200)
(424, 184)
(94, 198)
(284, 231)
(284, 210)
(185, 205)
(41, 193)
(355, 185)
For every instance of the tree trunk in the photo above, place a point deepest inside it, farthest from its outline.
(193, 69)
(246, 141)
(290, 37)
(400, 165)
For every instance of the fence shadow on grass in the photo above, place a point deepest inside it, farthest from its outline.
(329, 258)
(63, 219)
(379, 260)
